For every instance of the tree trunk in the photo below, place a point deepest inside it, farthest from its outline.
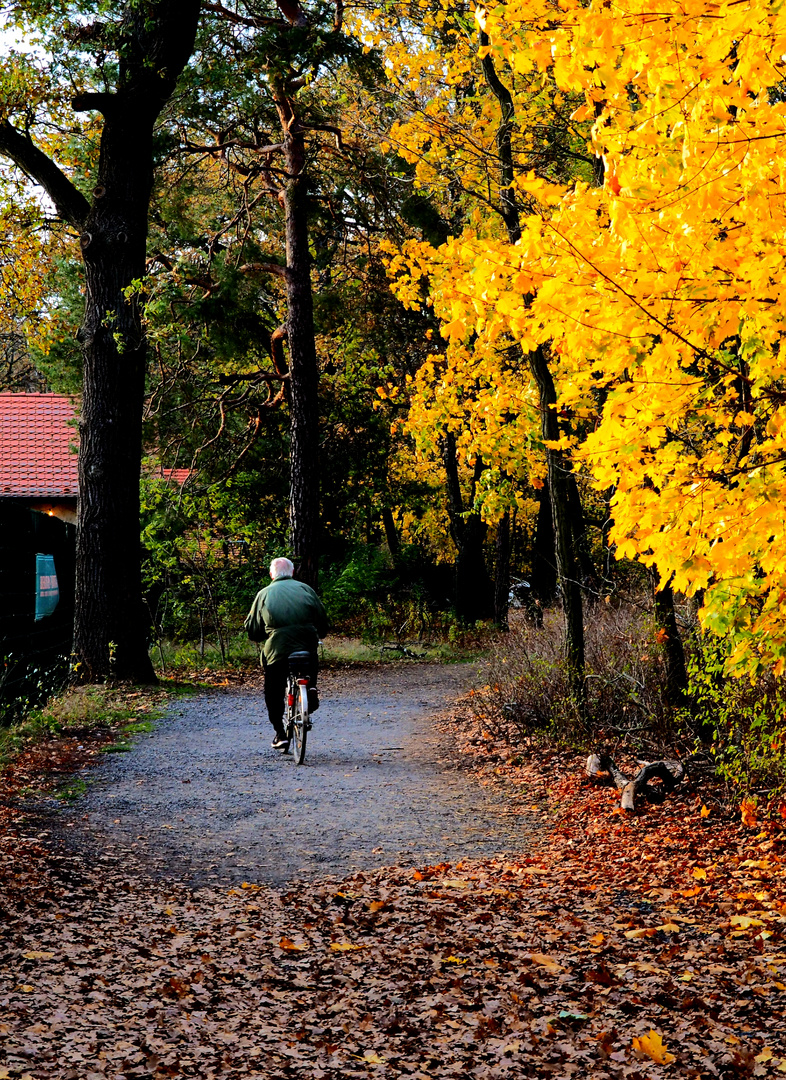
(581, 546)
(671, 641)
(303, 372)
(558, 470)
(110, 622)
(391, 536)
(559, 493)
(502, 572)
(474, 598)
(544, 558)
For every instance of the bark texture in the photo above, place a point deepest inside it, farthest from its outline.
(560, 478)
(303, 371)
(303, 368)
(110, 636)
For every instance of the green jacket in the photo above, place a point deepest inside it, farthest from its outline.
(288, 616)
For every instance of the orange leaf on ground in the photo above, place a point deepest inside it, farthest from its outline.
(748, 814)
(653, 1047)
(290, 946)
(546, 962)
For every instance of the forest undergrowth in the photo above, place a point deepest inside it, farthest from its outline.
(732, 729)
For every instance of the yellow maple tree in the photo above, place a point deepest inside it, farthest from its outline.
(659, 292)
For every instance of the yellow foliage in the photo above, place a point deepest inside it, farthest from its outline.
(658, 293)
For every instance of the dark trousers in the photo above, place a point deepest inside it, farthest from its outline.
(276, 687)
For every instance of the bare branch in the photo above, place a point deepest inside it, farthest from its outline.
(219, 148)
(240, 20)
(325, 127)
(252, 377)
(263, 268)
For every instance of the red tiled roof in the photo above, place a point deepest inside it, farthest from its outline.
(36, 459)
(176, 476)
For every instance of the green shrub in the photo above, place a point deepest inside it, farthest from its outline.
(372, 596)
(742, 719)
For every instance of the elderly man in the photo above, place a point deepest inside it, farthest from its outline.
(289, 617)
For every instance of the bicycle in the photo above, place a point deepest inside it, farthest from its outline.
(297, 722)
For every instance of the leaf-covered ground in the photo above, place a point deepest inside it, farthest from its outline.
(641, 946)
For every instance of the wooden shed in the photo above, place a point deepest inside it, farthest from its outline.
(38, 500)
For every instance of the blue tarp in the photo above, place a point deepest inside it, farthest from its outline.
(47, 592)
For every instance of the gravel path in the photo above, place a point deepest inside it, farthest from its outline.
(204, 799)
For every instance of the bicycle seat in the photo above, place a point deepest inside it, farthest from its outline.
(299, 657)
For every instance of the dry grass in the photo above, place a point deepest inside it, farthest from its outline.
(527, 696)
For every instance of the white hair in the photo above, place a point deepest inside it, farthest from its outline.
(281, 568)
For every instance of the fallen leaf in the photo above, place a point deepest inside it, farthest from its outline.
(547, 962)
(290, 945)
(34, 954)
(699, 873)
(653, 1047)
(748, 814)
(344, 946)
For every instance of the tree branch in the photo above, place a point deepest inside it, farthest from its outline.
(106, 104)
(219, 148)
(325, 127)
(252, 377)
(263, 268)
(240, 20)
(292, 12)
(70, 203)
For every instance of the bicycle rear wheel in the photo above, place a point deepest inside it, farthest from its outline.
(300, 724)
